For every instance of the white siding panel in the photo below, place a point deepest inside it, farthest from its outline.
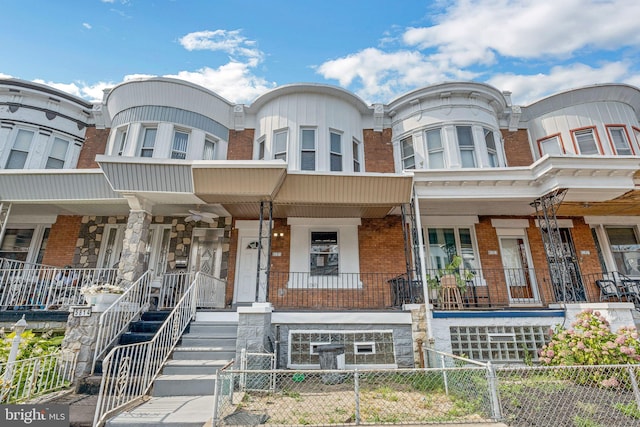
(67, 186)
(149, 177)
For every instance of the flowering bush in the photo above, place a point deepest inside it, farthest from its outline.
(591, 342)
(101, 288)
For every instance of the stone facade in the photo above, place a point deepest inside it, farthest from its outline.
(80, 339)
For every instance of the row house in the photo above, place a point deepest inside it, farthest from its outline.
(341, 218)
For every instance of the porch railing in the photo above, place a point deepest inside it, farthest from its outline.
(115, 319)
(129, 370)
(26, 286)
(367, 291)
(175, 284)
(27, 378)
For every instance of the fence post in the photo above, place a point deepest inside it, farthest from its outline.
(634, 384)
(216, 398)
(444, 375)
(356, 386)
(496, 413)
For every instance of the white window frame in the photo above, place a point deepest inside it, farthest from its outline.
(335, 154)
(64, 157)
(609, 248)
(120, 142)
(408, 160)
(36, 238)
(178, 152)
(312, 252)
(280, 154)
(214, 150)
(29, 151)
(458, 245)
(577, 135)
(466, 148)
(356, 147)
(437, 150)
(623, 137)
(261, 148)
(492, 152)
(303, 149)
(550, 141)
(151, 147)
(357, 345)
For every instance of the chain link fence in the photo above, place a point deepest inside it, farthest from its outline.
(462, 391)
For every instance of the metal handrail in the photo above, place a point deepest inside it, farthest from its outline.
(129, 370)
(116, 318)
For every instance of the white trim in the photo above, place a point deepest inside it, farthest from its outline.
(511, 232)
(324, 222)
(510, 223)
(341, 318)
(364, 343)
(249, 225)
(23, 221)
(562, 223)
(612, 220)
(449, 221)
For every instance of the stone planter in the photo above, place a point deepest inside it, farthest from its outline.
(101, 301)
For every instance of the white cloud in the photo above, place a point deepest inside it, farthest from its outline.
(233, 81)
(230, 42)
(90, 92)
(530, 88)
(383, 75)
(86, 25)
(5, 76)
(474, 31)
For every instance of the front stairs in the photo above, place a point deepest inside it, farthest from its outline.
(182, 395)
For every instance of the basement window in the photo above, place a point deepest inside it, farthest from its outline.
(364, 347)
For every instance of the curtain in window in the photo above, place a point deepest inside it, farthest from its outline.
(620, 141)
(180, 140)
(586, 142)
(209, 150)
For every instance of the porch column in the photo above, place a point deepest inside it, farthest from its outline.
(136, 236)
(5, 209)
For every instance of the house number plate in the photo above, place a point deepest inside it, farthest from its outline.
(81, 311)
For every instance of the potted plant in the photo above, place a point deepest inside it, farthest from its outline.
(101, 295)
(451, 275)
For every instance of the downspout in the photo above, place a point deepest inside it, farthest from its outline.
(423, 270)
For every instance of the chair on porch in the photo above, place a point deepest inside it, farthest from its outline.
(608, 290)
(450, 296)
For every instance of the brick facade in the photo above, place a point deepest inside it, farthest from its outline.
(517, 148)
(95, 142)
(240, 144)
(378, 151)
(62, 241)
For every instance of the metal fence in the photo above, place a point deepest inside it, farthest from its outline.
(463, 391)
(29, 378)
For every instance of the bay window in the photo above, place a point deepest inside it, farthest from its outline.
(280, 145)
(209, 151)
(20, 151)
(466, 146)
(58, 154)
(308, 150)
(408, 153)
(435, 149)
(335, 151)
(492, 151)
(550, 145)
(180, 144)
(148, 142)
(585, 141)
(619, 140)
(356, 155)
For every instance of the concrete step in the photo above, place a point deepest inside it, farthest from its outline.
(221, 328)
(173, 411)
(183, 385)
(193, 367)
(204, 353)
(207, 341)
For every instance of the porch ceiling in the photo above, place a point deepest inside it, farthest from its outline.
(252, 211)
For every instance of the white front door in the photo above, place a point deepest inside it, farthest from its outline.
(521, 282)
(206, 251)
(247, 267)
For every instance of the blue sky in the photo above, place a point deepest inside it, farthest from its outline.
(376, 49)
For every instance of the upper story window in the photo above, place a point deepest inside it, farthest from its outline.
(492, 151)
(620, 140)
(435, 148)
(180, 144)
(356, 155)
(308, 149)
(148, 142)
(20, 151)
(261, 148)
(58, 154)
(280, 145)
(121, 140)
(324, 253)
(336, 151)
(408, 153)
(636, 132)
(466, 146)
(550, 145)
(585, 141)
(209, 150)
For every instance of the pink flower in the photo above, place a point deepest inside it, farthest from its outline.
(550, 353)
(580, 345)
(620, 339)
(611, 382)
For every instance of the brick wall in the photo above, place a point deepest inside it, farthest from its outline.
(381, 245)
(378, 151)
(517, 148)
(62, 241)
(240, 144)
(95, 142)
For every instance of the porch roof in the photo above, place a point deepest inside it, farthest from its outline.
(590, 180)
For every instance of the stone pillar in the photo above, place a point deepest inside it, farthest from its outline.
(418, 332)
(80, 339)
(254, 328)
(132, 262)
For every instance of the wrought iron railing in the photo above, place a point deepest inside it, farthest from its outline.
(128, 371)
(28, 378)
(301, 291)
(27, 286)
(115, 319)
